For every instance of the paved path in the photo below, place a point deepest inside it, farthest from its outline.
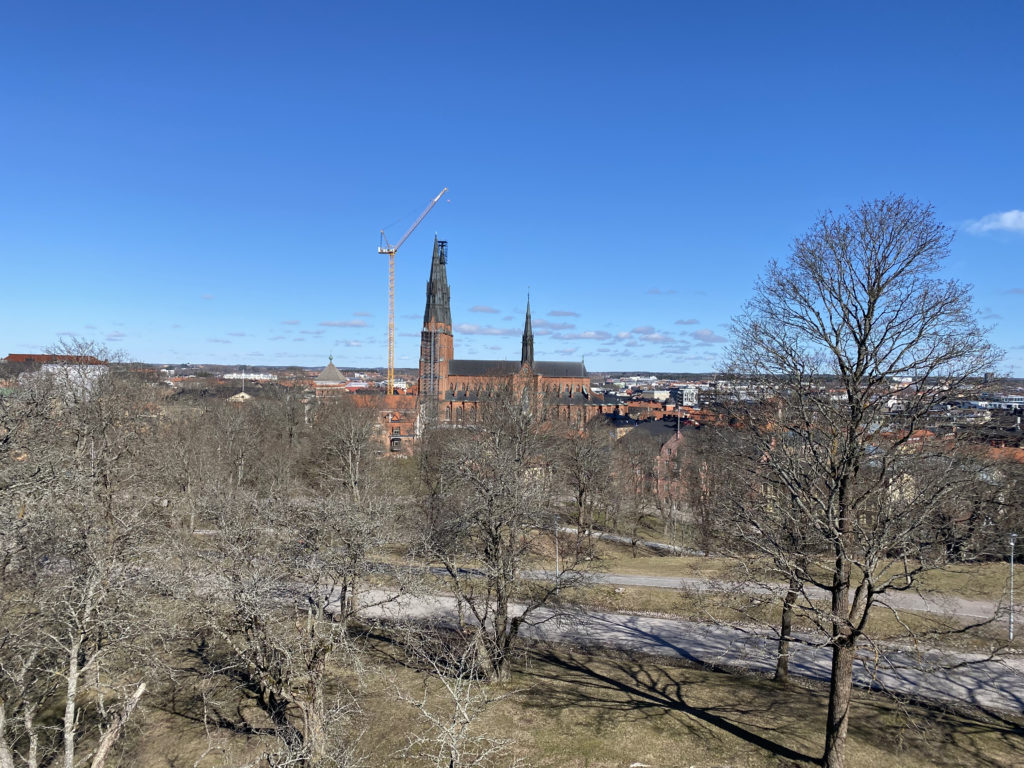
(910, 601)
(945, 677)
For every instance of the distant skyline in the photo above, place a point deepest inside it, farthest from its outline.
(206, 182)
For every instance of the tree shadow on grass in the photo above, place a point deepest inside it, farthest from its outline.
(619, 685)
(782, 720)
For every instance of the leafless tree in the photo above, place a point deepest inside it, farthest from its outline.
(279, 575)
(454, 698)
(857, 316)
(346, 436)
(488, 510)
(73, 581)
(584, 467)
(635, 475)
(264, 621)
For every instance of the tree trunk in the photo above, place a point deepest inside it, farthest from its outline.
(33, 737)
(6, 757)
(71, 698)
(782, 662)
(839, 690)
(111, 734)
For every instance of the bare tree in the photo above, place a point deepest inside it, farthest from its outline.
(856, 317)
(584, 465)
(454, 698)
(264, 621)
(635, 462)
(488, 510)
(342, 450)
(73, 581)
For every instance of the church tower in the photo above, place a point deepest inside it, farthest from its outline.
(437, 346)
(527, 358)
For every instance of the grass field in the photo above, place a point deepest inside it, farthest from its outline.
(976, 581)
(570, 709)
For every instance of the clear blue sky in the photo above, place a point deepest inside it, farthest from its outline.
(206, 181)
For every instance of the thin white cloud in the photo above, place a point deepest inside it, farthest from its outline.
(690, 321)
(290, 322)
(662, 292)
(563, 313)
(566, 351)
(219, 341)
(362, 314)
(707, 336)
(115, 336)
(1007, 221)
(484, 308)
(236, 333)
(583, 335)
(207, 296)
(1014, 290)
(485, 330)
(645, 329)
(540, 322)
(344, 323)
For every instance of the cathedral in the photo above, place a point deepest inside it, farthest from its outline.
(453, 390)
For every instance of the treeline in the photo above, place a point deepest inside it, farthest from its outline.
(218, 553)
(222, 556)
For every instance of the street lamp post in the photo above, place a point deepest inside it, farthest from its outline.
(1013, 542)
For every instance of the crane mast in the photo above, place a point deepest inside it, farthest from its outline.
(391, 250)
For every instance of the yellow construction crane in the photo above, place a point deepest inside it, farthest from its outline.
(391, 250)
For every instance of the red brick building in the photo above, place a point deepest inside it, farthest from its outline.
(453, 390)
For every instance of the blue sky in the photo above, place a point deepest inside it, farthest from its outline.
(206, 182)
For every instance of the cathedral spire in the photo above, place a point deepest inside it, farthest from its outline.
(438, 295)
(527, 358)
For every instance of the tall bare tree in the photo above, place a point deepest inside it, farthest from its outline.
(857, 316)
(636, 478)
(262, 580)
(488, 511)
(73, 581)
(346, 436)
(584, 466)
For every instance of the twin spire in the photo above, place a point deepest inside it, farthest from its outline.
(438, 309)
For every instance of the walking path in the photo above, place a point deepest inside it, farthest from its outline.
(970, 679)
(909, 601)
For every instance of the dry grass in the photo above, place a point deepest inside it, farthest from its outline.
(570, 709)
(975, 581)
